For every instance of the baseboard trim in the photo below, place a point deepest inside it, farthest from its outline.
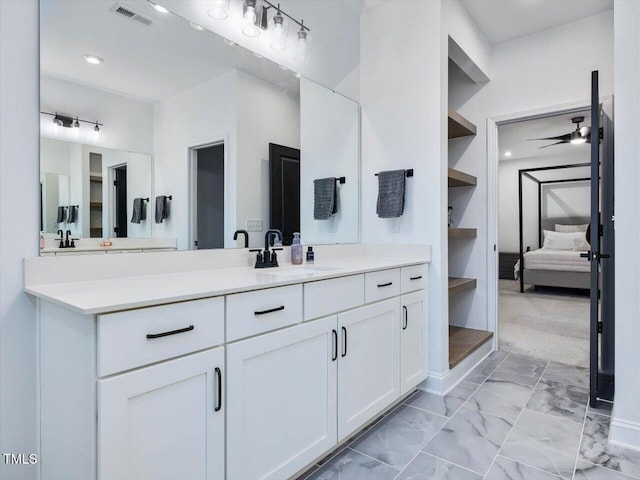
(624, 433)
(443, 383)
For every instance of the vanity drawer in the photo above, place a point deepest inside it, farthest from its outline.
(326, 297)
(139, 337)
(263, 310)
(413, 278)
(381, 285)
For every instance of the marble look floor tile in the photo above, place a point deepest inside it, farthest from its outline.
(486, 368)
(470, 439)
(596, 449)
(521, 370)
(567, 374)
(505, 469)
(447, 405)
(425, 466)
(588, 471)
(399, 436)
(545, 442)
(558, 399)
(500, 397)
(351, 465)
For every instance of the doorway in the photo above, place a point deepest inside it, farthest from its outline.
(284, 188)
(208, 196)
(120, 197)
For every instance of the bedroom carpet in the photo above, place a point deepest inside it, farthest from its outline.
(549, 325)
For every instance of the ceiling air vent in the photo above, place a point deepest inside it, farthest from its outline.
(130, 14)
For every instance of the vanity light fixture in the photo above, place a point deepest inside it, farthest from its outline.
(158, 8)
(250, 26)
(67, 121)
(93, 59)
(278, 32)
(96, 128)
(76, 124)
(219, 9)
(303, 40)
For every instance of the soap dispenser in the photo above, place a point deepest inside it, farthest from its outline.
(296, 249)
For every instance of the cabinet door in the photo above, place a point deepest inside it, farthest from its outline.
(281, 400)
(413, 341)
(369, 363)
(164, 422)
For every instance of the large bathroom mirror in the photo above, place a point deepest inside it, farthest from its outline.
(154, 127)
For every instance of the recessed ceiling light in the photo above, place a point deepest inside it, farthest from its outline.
(229, 42)
(93, 59)
(195, 26)
(507, 153)
(158, 8)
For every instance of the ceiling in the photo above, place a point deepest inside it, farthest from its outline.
(504, 20)
(513, 137)
(145, 62)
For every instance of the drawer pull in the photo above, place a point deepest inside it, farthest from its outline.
(344, 342)
(416, 278)
(271, 310)
(406, 317)
(151, 336)
(334, 356)
(380, 285)
(219, 377)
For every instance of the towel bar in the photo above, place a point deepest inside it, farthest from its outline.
(341, 180)
(407, 173)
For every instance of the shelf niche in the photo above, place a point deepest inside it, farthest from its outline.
(461, 179)
(459, 285)
(456, 232)
(460, 126)
(464, 341)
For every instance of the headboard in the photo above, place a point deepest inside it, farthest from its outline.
(549, 223)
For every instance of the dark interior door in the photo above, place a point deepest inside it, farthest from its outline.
(601, 255)
(284, 179)
(120, 185)
(210, 197)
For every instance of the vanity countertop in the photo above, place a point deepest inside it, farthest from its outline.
(115, 294)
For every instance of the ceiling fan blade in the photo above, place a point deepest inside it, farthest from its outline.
(559, 137)
(557, 143)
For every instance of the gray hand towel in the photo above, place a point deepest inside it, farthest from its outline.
(391, 189)
(325, 198)
(73, 214)
(162, 208)
(62, 214)
(139, 210)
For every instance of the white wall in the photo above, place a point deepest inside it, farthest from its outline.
(128, 123)
(330, 128)
(625, 425)
(199, 116)
(266, 114)
(19, 224)
(558, 200)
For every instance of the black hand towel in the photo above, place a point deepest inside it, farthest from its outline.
(162, 208)
(325, 198)
(73, 214)
(62, 214)
(139, 210)
(391, 190)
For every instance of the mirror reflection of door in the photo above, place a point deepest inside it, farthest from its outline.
(284, 179)
(209, 197)
(120, 184)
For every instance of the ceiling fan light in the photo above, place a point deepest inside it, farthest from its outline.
(577, 138)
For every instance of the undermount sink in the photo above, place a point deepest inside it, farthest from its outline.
(302, 271)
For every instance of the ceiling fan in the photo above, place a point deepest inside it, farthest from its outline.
(578, 136)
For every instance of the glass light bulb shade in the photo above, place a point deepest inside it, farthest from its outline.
(219, 9)
(577, 138)
(249, 27)
(302, 45)
(279, 34)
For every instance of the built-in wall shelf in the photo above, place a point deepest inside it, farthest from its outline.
(461, 179)
(95, 232)
(460, 126)
(95, 178)
(95, 204)
(459, 285)
(456, 232)
(464, 341)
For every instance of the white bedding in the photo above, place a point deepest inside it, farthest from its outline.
(562, 260)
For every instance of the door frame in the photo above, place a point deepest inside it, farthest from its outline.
(230, 204)
(493, 246)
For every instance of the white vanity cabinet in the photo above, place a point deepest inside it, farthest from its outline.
(368, 363)
(164, 422)
(413, 341)
(281, 400)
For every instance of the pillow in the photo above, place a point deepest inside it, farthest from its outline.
(581, 245)
(571, 228)
(561, 240)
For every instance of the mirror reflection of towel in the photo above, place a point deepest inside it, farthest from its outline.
(62, 215)
(73, 214)
(162, 208)
(139, 210)
(391, 190)
(325, 198)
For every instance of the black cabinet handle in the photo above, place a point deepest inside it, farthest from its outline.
(380, 285)
(264, 312)
(416, 278)
(219, 377)
(172, 332)
(344, 342)
(334, 355)
(406, 317)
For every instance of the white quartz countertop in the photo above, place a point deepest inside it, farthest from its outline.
(102, 296)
